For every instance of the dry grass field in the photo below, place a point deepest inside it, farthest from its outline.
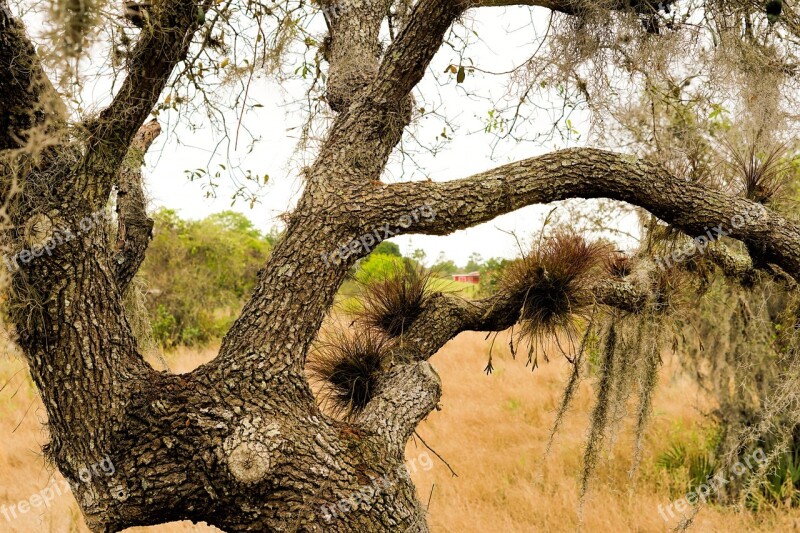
(492, 430)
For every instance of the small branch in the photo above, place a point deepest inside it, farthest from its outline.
(405, 397)
(453, 472)
(159, 49)
(411, 391)
(134, 226)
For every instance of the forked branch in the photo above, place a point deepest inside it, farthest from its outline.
(161, 46)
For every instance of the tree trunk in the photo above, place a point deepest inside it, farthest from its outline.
(240, 442)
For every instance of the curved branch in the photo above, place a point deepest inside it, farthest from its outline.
(592, 173)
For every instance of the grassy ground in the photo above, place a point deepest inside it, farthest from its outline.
(492, 431)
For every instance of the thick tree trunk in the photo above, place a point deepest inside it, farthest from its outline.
(240, 442)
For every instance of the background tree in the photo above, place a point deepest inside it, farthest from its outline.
(241, 442)
(198, 274)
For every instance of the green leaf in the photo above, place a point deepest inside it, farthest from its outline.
(461, 76)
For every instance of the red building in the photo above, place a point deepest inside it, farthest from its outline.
(472, 277)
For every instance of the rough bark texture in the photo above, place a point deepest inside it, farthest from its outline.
(240, 442)
(134, 227)
(28, 96)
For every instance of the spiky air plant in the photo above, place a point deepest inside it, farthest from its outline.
(618, 265)
(391, 304)
(552, 289)
(760, 175)
(347, 367)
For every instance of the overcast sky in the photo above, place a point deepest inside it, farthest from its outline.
(505, 38)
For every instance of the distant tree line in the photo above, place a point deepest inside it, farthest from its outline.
(198, 273)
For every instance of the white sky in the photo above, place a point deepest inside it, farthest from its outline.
(511, 38)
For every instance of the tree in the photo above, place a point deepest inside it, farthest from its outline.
(387, 248)
(240, 442)
(418, 255)
(474, 263)
(444, 266)
(198, 274)
(377, 266)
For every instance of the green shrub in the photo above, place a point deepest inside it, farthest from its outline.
(199, 273)
(690, 459)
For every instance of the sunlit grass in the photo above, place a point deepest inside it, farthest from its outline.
(492, 430)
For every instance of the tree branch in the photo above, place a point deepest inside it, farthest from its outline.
(407, 58)
(573, 7)
(134, 227)
(592, 173)
(354, 48)
(161, 46)
(29, 100)
(404, 398)
(445, 316)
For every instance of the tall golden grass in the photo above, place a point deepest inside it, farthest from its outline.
(492, 431)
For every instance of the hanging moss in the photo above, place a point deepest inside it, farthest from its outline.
(648, 379)
(572, 384)
(599, 418)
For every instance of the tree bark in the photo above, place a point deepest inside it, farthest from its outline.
(240, 442)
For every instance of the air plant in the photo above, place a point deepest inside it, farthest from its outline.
(552, 288)
(760, 174)
(666, 285)
(347, 368)
(618, 265)
(391, 304)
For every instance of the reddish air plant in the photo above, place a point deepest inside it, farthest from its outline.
(552, 289)
(391, 304)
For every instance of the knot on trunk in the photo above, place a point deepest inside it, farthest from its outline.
(37, 231)
(250, 451)
(344, 84)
